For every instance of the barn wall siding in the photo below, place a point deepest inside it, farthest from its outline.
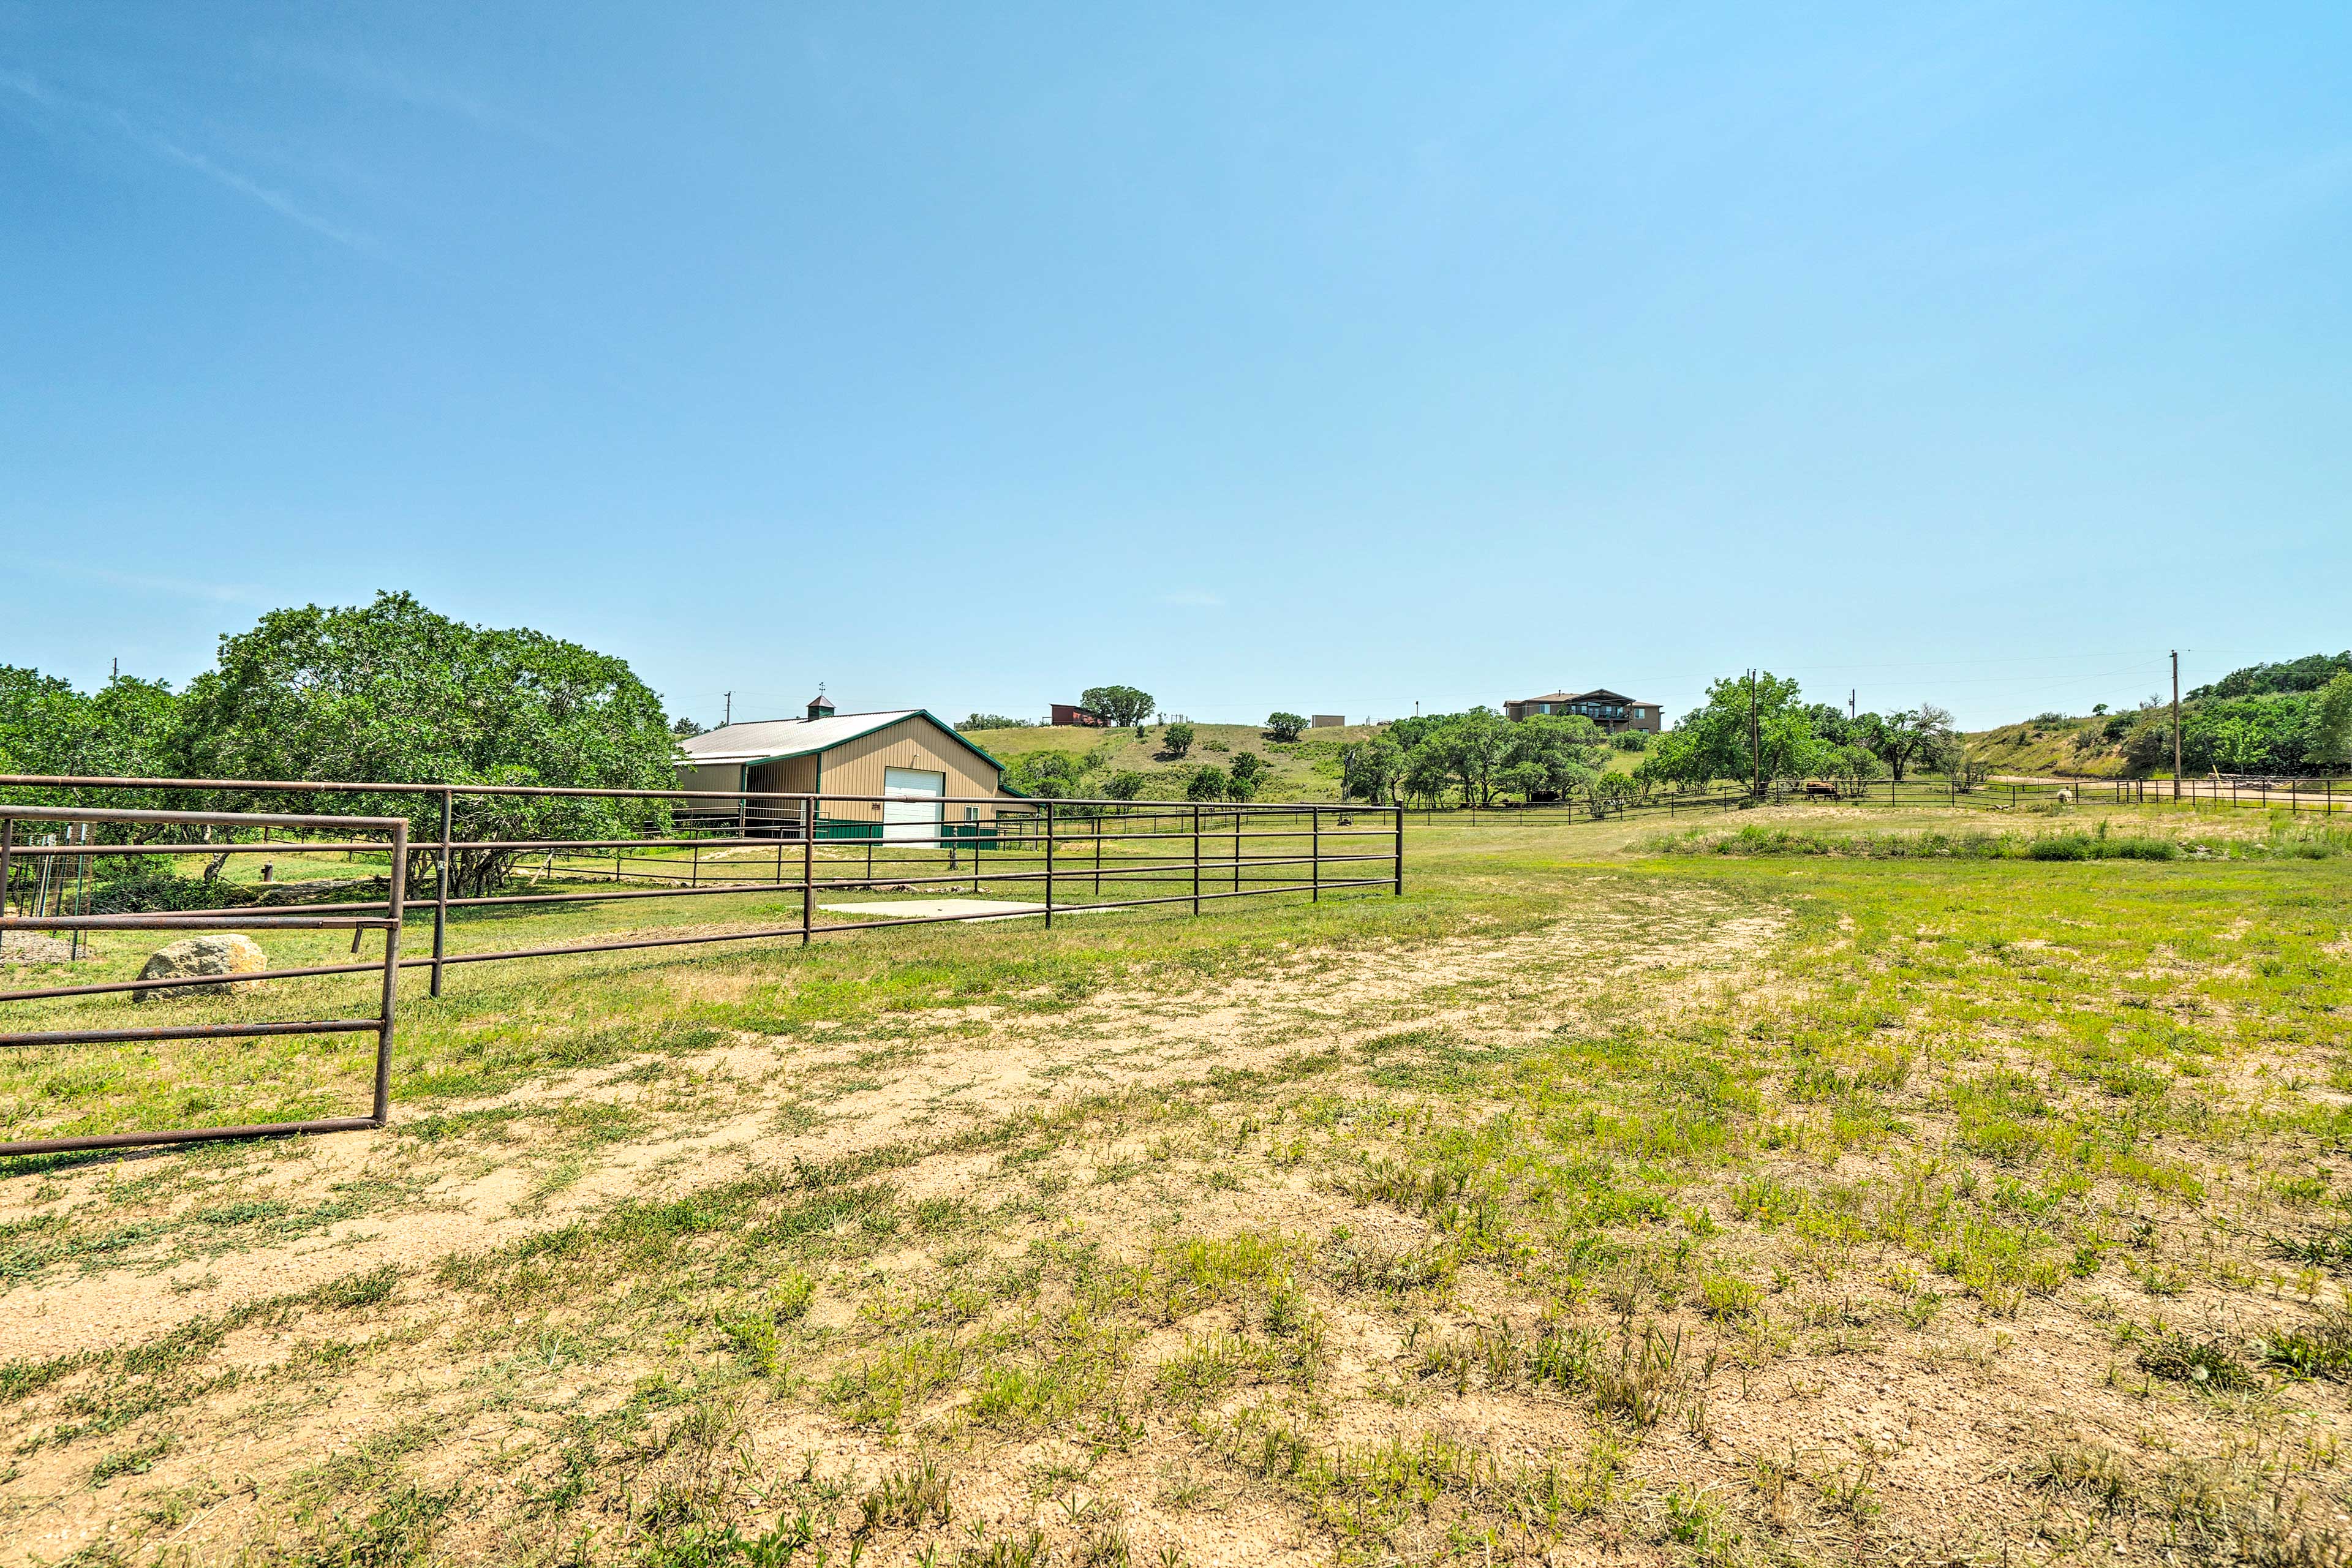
(855, 767)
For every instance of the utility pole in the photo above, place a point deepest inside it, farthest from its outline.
(1754, 745)
(1852, 692)
(729, 716)
(118, 672)
(2176, 724)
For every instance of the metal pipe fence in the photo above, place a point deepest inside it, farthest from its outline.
(849, 863)
(49, 914)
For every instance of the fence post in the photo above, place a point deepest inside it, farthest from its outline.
(1237, 849)
(1099, 822)
(808, 866)
(1196, 860)
(1399, 852)
(441, 890)
(7, 842)
(1049, 864)
(1314, 852)
(395, 910)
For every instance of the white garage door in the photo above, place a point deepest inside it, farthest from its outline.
(911, 807)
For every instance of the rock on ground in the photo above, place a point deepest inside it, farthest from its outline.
(201, 956)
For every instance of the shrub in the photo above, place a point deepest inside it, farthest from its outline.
(1632, 740)
(1207, 783)
(1283, 727)
(1246, 776)
(136, 884)
(1177, 738)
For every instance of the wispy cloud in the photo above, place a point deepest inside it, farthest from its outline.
(34, 92)
(362, 74)
(1192, 599)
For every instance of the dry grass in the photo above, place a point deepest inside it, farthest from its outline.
(1717, 1209)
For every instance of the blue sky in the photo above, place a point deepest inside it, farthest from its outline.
(1333, 359)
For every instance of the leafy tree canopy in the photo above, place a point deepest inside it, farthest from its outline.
(1119, 705)
(1480, 756)
(1283, 727)
(1715, 742)
(1369, 771)
(1177, 738)
(1245, 775)
(2309, 673)
(391, 692)
(2331, 730)
(127, 729)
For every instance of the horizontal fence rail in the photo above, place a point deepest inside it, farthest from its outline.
(820, 865)
(59, 903)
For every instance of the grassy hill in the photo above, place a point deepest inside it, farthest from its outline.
(1307, 769)
(2059, 748)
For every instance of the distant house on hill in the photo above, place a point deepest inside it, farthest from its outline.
(1085, 718)
(919, 780)
(1612, 711)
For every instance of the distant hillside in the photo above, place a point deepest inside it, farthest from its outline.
(2290, 718)
(1307, 769)
(2051, 746)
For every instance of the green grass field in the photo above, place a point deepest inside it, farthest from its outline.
(1841, 1190)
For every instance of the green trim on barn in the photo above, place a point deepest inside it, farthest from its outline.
(951, 833)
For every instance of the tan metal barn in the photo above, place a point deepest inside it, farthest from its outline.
(917, 764)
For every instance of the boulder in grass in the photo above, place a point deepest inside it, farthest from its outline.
(223, 955)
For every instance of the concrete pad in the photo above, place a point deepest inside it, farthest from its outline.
(941, 908)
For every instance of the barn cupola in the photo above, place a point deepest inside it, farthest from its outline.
(820, 706)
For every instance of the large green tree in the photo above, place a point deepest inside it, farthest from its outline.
(127, 728)
(1121, 705)
(1369, 771)
(1921, 737)
(391, 692)
(1557, 755)
(1753, 730)
(2331, 729)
